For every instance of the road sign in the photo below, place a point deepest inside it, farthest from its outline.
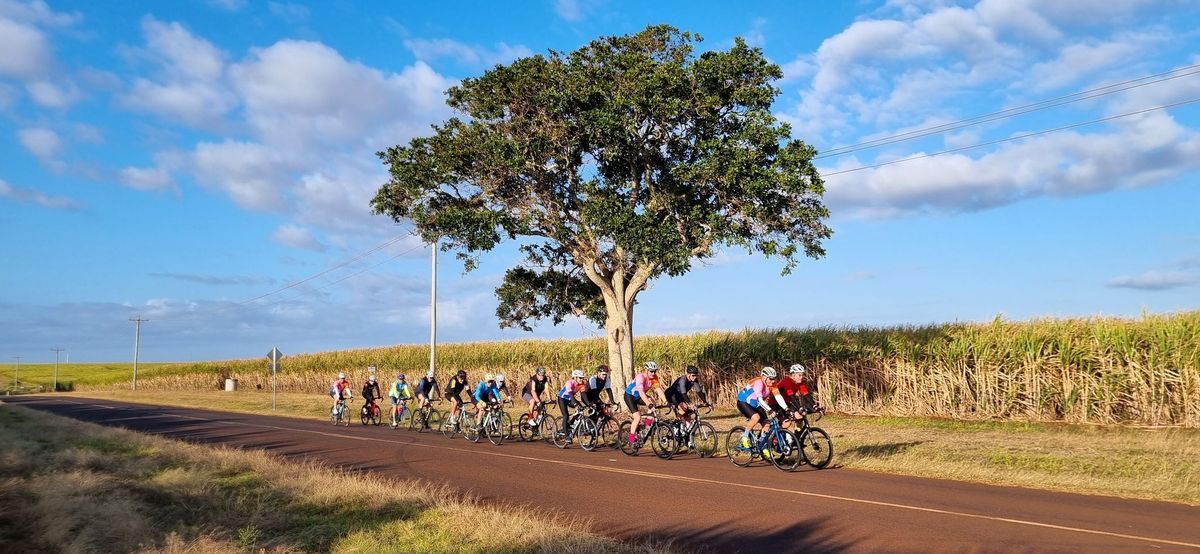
(274, 355)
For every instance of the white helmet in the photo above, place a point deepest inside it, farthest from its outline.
(577, 373)
(429, 374)
(651, 366)
(499, 377)
(371, 379)
(769, 372)
(796, 369)
(341, 376)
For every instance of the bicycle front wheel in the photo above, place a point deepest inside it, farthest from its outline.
(434, 422)
(561, 434)
(450, 428)
(786, 453)
(623, 432)
(662, 439)
(469, 429)
(610, 434)
(704, 439)
(739, 447)
(586, 433)
(494, 429)
(816, 447)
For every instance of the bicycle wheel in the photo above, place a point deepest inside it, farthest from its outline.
(586, 433)
(547, 429)
(507, 427)
(561, 434)
(494, 428)
(610, 434)
(662, 440)
(786, 454)
(469, 429)
(524, 430)
(816, 447)
(448, 427)
(434, 421)
(333, 416)
(376, 415)
(736, 447)
(704, 439)
(418, 420)
(629, 448)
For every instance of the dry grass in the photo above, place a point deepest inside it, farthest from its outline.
(1098, 370)
(67, 486)
(1131, 462)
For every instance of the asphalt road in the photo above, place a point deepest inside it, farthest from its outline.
(701, 504)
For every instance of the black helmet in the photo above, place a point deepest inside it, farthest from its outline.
(462, 373)
(693, 370)
(602, 367)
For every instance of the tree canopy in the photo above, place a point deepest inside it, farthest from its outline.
(625, 160)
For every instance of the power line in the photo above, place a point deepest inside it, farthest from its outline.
(1011, 112)
(1018, 137)
(314, 276)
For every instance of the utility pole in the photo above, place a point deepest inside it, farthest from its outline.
(433, 313)
(56, 351)
(137, 336)
(17, 375)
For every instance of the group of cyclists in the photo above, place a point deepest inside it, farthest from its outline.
(755, 400)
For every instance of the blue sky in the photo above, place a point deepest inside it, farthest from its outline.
(191, 162)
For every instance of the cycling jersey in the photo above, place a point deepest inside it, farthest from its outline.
(534, 386)
(789, 390)
(679, 390)
(426, 386)
(400, 390)
(486, 393)
(371, 390)
(643, 382)
(455, 386)
(595, 386)
(339, 388)
(568, 390)
(755, 392)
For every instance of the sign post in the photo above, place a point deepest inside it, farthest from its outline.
(274, 355)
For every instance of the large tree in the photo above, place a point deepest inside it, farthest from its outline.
(623, 161)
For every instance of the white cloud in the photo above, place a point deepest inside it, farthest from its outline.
(145, 178)
(295, 14)
(252, 174)
(1078, 60)
(30, 196)
(41, 142)
(1156, 280)
(88, 133)
(190, 85)
(52, 95)
(27, 53)
(38, 12)
(297, 237)
(570, 10)
(433, 49)
(228, 5)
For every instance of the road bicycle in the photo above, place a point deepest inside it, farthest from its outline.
(541, 427)
(649, 424)
(370, 413)
(426, 417)
(771, 442)
(453, 424)
(580, 428)
(687, 433)
(495, 425)
(815, 445)
(400, 414)
(337, 415)
(609, 427)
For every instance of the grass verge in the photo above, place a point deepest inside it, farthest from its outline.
(1150, 463)
(67, 486)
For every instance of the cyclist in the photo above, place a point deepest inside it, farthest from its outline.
(370, 392)
(752, 400)
(534, 389)
(340, 389)
(677, 394)
(502, 386)
(453, 393)
(598, 384)
(566, 395)
(640, 391)
(486, 392)
(399, 395)
(427, 389)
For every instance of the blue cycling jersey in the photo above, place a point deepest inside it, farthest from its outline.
(485, 392)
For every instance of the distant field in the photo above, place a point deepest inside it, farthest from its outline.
(1143, 371)
(87, 374)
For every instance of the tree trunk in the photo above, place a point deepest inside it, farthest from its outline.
(618, 329)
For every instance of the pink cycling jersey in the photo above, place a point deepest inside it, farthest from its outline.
(758, 390)
(643, 382)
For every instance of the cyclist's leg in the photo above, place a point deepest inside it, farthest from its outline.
(529, 399)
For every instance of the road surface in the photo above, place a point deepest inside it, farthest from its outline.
(704, 505)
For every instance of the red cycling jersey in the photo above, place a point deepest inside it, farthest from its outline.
(788, 388)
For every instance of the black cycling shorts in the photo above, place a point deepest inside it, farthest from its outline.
(748, 411)
(632, 402)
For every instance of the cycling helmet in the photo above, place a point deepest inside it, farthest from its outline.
(489, 377)
(769, 372)
(651, 367)
(693, 370)
(371, 379)
(399, 376)
(540, 371)
(796, 369)
(499, 377)
(601, 368)
(341, 376)
(577, 374)
(429, 374)
(462, 374)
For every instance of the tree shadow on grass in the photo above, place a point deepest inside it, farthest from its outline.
(803, 535)
(881, 450)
